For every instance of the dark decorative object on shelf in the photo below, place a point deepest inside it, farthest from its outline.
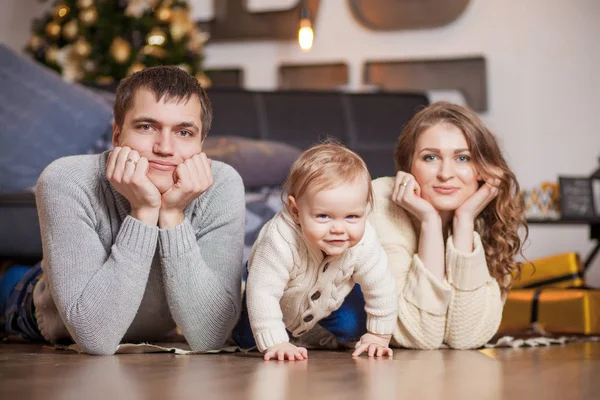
(576, 198)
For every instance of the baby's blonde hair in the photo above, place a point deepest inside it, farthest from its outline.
(325, 166)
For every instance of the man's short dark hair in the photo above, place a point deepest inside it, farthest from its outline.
(172, 83)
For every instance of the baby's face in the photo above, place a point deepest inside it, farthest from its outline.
(334, 219)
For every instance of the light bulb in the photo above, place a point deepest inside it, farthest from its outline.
(305, 35)
(156, 37)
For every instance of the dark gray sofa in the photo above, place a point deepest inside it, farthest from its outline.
(368, 123)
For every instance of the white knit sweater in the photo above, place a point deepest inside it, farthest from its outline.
(463, 310)
(293, 285)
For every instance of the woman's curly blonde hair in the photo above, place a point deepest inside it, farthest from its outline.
(499, 223)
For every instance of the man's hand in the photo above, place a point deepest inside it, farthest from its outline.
(374, 345)
(192, 178)
(283, 351)
(126, 171)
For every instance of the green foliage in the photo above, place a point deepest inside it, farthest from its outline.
(112, 22)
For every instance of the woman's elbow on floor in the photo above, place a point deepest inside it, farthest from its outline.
(423, 343)
(428, 345)
(467, 343)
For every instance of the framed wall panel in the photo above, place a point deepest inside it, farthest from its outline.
(313, 77)
(226, 78)
(467, 75)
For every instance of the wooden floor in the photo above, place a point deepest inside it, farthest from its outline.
(559, 372)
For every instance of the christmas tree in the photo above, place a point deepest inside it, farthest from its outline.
(103, 41)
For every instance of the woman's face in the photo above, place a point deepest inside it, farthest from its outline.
(443, 168)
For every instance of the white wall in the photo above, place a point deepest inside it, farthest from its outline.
(543, 87)
(16, 17)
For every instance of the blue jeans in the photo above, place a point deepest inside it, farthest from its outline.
(348, 323)
(19, 311)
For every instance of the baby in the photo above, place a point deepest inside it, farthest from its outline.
(306, 266)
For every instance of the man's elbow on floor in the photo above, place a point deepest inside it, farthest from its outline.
(98, 349)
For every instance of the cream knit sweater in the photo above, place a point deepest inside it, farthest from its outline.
(293, 285)
(463, 310)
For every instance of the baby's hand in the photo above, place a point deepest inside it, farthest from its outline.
(284, 351)
(374, 345)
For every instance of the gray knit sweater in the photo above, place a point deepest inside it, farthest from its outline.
(109, 278)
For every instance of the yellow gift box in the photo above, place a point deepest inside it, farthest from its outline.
(559, 271)
(575, 311)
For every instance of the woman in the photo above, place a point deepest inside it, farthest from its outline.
(449, 223)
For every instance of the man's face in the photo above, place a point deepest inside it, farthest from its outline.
(166, 133)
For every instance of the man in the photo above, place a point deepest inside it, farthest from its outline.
(144, 238)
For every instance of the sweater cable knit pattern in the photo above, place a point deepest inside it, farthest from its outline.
(292, 285)
(110, 278)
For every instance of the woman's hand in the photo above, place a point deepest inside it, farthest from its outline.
(126, 171)
(407, 194)
(463, 223)
(478, 201)
(374, 345)
(283, 351)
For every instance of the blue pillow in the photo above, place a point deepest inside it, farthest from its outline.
(42, 118)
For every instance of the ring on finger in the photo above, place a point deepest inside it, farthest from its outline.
(405, 183)
(131, 161)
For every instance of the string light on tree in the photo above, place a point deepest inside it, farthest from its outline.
(137, 8)
(53, 30)
(120, 50)
(136, 67)
(102, 40)
(82, 47)
(88, 16)
(61, 11)
(156, 37)
(51, 54)
(84, 3)
(164, 14)
(89, 66)
(35, 42)
(181, 23)
(155, 51)
(70, 29)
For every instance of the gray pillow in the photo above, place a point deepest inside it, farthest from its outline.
(259, 162)
(42, 118)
